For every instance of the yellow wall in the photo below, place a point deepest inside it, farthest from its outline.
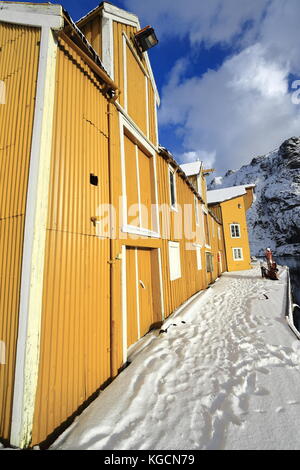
(75, 337)
(231, 214)
(19, 53)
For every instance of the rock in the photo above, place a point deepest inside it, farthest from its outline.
(274, 218)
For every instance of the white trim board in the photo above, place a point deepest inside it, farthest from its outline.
(108, 45)
(28, 344)
(124, 302)
(50, 16)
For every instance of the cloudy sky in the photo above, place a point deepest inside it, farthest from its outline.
(225, 70)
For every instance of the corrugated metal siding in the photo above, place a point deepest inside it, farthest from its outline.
(151, 111)
(136, 92)
(192, 280)
(19, 55)
(75, 340)
(93, 32)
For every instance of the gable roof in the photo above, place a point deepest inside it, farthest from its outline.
(192, 169)
(225, 194)
(121, 16)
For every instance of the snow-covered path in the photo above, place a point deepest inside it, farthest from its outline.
(227, 376)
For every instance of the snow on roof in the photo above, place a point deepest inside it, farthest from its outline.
(191, 169)
(225, 194)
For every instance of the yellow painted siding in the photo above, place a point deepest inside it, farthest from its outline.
(19, 53)
(152, 112)
(118, 30)
(75, 338)
(248, 198)
(146, 175)
(75, 351)
(234, 212)
(93, 32)
(80, 147)
(192, 280)
(136, 92)
(131, 182)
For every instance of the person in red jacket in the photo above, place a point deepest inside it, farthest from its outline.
(269, 257)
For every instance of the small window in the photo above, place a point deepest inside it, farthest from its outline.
(198, 255)
(235, 231)
(209, 263)
(237, 254)
(172, 188)
(174, 261)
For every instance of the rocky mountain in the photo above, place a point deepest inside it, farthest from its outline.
(274, 218)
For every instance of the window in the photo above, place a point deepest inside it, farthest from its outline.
(238, 254)
(209, 263)
(174, 261)
(198, 255)
(235, 231)
(172, 188)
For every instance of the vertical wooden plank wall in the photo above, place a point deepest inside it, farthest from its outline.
(19, 56)
(75, 342)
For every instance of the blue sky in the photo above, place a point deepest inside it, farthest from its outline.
(224, 70)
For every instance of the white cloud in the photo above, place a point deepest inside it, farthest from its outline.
(234, 113)
(243, 108)
(202, 20)
(208, 158)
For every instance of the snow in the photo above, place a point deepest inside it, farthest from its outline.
(225, 194)
(274, 217)
(191, 169)
(224, 375)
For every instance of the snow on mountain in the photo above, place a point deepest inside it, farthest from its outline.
(274, 218)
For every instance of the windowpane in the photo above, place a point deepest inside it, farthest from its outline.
(237, 254)
(174, 261)
(209, 263)
(235, 230)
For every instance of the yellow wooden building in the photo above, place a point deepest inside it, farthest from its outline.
(231, 205)
(102, 235)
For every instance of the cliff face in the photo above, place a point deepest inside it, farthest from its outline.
(274, 219)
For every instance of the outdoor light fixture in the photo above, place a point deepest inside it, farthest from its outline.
(146, 38)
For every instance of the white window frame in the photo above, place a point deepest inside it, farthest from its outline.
(198, 256)
(132, 229)
(208, 253)
(174, 262)
(172, 171)
(234, 254)
(234, 229)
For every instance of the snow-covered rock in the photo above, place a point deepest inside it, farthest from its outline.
(274, 218)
